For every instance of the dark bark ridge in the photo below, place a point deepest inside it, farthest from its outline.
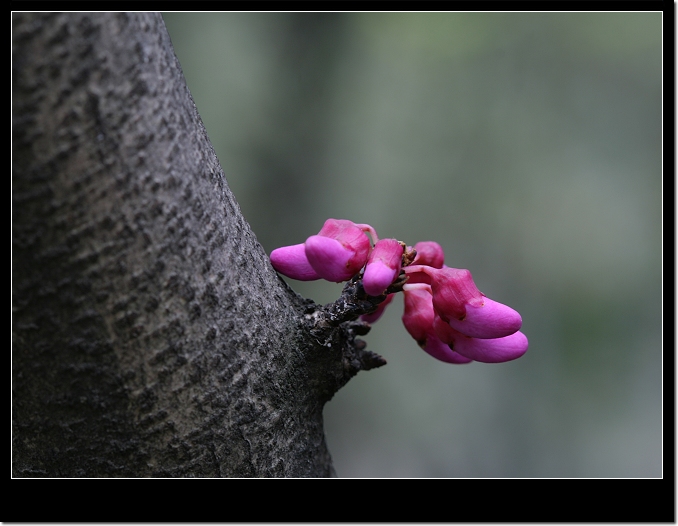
(151, 336)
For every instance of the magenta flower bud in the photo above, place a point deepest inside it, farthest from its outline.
(453, 289)
(418, 314)
(372, 318)
(330, 259)
(457, 300)
(291, 261)
(339, 250)
(383, 266)
(489, 320)
(418, 321)
(348, 233)
(429, 253)
(488, 350)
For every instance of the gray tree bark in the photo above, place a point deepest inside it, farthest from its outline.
(151, 336)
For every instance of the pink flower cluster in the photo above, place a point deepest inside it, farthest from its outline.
(444, 311)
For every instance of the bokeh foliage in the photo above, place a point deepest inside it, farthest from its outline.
(529, 146)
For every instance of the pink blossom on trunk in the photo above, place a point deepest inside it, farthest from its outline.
(457, 300)
(291, 261)
(383, 266)
(444, 311)
(418, 321)
(488, 350)
(339, 251)
(489, 320)
(429, 253)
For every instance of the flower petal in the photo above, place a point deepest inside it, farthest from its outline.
(494, 350)
(383, 266)
(291, 261)
(377, 278)
(489, 350)
(350, 235)
(330, 259)
(429, 253)
(418, 321)
(453, 291)
(339, 250)
(418, 314)
(489, 320)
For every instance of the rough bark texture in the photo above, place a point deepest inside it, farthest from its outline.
(151, 336)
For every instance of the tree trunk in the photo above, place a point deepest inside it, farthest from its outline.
(151, 336)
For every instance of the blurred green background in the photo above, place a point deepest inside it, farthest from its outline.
(529, 146)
